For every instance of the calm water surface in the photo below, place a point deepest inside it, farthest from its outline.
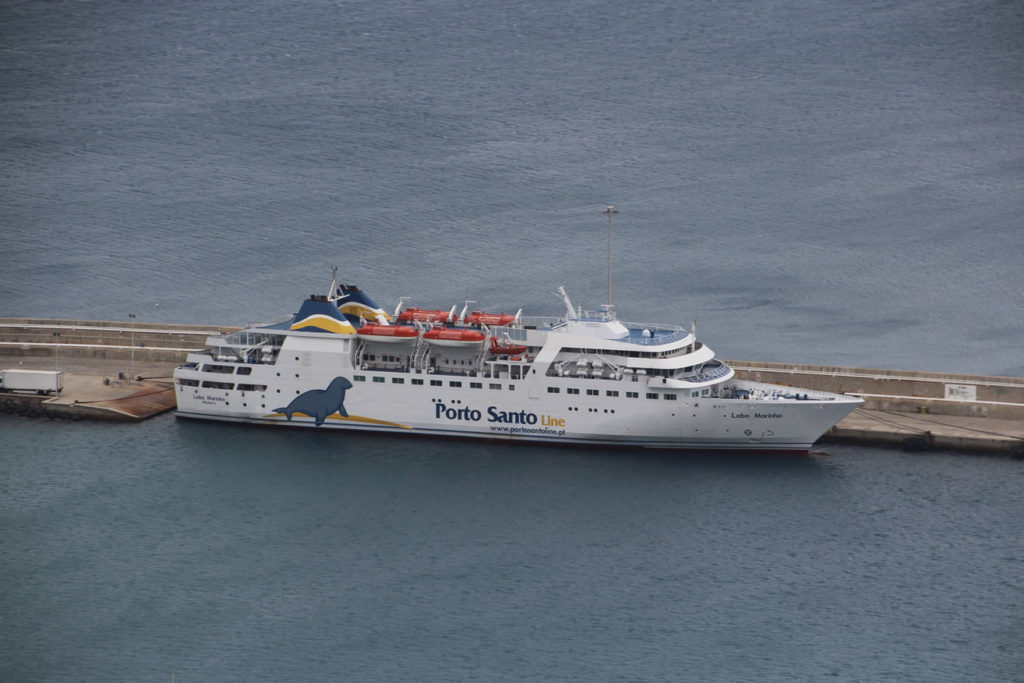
(221, 553)
(836, 183)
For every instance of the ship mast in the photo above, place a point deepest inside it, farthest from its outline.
(334, 296)
(610, 211)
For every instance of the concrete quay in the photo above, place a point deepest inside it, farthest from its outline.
(94, 389)
(925, 432)
(910, 410)
(113, 370)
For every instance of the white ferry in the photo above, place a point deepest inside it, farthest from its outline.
(587, 378)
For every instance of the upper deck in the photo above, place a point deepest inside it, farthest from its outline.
(642, 334)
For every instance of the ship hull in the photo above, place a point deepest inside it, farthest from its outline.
(790, 426)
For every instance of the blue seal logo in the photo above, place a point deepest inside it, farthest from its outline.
(319, 403)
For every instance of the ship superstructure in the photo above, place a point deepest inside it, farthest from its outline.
(343, 362)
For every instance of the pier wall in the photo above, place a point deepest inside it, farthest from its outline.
(103, 340)
(903, 391)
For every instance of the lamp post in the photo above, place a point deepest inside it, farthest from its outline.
(131, 363)
(611, 212)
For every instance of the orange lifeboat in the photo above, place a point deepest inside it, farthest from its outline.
(388, 333)
(492, 319)
(500, 349)
(413, 314)
(454, 336)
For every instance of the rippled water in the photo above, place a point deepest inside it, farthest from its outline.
(813, 182)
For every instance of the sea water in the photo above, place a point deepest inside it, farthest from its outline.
(811, 182)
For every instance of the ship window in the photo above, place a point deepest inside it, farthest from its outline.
(378, 379)
(572, 390)
(223, 369)
(244, 371)
(436, 382)
(218, 385)
(252, 387)
(398, 380)
(454, 384)
(416, 381)
(593, 392)
(188, 382)
(694, 394)
(511, 387)
(553, 390)
(632, 394)
(670, 397)
(476, 385)
(650, 395)
(494, 386)
(704, 392)
(359, 378)
(611, 393)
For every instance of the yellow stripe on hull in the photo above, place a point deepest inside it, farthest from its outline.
(350, 418)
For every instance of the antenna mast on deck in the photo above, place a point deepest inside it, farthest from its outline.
(610, 210)
(334, 295)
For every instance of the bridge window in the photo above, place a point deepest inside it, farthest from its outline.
(650, 395)
(632, 394)
(436, 383)
(416, 381)
(379, 380)
(553, 390)
(359, 378)
(454, 384)
(398, 380)
(670, 397)
(476, 385)
(611, 393)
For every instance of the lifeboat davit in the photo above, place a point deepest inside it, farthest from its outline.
(492, 319)
(454, 336)
(499, 349)
(423, 315)
(388, 333)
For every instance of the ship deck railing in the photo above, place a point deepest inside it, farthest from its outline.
(655, 333)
